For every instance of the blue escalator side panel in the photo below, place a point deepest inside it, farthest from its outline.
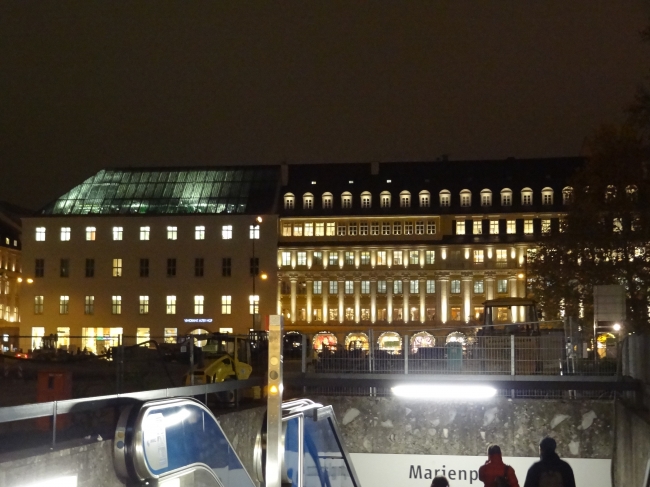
(291, 446)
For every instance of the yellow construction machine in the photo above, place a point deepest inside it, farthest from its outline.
(223, 357)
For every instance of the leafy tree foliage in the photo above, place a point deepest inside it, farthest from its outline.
(605, 233)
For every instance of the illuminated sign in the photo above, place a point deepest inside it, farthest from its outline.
(197, 320)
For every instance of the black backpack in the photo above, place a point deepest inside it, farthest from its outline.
(502, 480)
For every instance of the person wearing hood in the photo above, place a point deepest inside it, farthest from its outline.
(495, 470)
(550, 470)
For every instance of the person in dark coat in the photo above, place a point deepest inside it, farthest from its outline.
(440, 482)
(494, 468)
(550, 470)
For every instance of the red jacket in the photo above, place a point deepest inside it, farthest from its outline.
(494, 468)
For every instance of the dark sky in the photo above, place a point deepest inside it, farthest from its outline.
(88, 84)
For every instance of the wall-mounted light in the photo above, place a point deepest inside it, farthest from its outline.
(617, 327)
(520, 275)
(264, 276)
(20, 279)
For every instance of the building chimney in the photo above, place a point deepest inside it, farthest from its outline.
(284, 173)
(374, 168)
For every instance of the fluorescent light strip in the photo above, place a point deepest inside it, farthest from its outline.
(444, 392)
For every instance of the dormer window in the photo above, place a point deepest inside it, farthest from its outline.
(526, 197)
(327, 200)
(308, 201)
(445, 198)
(289, 201)
(405, 199)
(425, 199)
(632, 192)
(366, 200)
(567, 195)
(506, 197)
(385, 199)
(346, 200)
(547, 196)
(465, 198)
(610, 193)
(486, 197)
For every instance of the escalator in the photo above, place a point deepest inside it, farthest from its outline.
(179, 443)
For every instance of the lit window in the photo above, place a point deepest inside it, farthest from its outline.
(89, 305)
(226, 305)
(397, 287)
(363, 228)
(460, 227)
(341, 230)
(172, 233)
(144, 305)
(365, 287)
(117, 267)
(226, 232)
(425, 199)
(385, 228)
(254, 304)
(381, 257)
(494, 227)
(65, 234)
(405, 199)
(116, 305)
(289, 200)
(327, 200)
(486, 197)
(366, 200)
(309, 229)
(198, 304)
(477, 227)
(528, 227)
(502, 286)
(478, 287)
(145, 232)
(431, 228)
(320, 229)
(397, 228)
(414, 287)
(333, 287)
(374, 228)
(546, 227)
(38, 305)
(511, 227)
(118, 233)
(308, 201)
(455, 286)
(199, 232)
(286, 258)
(408, 228)
(352, 229)
(333, 259)
(430, 257)
(40, 234)
(414, 257)
(506, 197)
(317, 287)
(365, 257)
(502, 257)
(297, 229)
(547, 196)
(397, 257)
(317, 258)
(91, 233)
(64, 305)
(385, 199)
(465, 198)
(170, 335)
(346, 200)
(479, 257)
(349, 287)
(445, 198)
(171, 305)
(330, 229)
(419, 228)
(254, 232)
(381, 287)
(302, 258)
(431, 286)
(526, 196)
(349, 258)
(286, 229)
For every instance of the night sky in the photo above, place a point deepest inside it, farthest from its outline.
(89, 84)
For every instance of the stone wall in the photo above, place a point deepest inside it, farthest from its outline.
(632, 452)
(582, 429)
(241, 428)
(91, 462)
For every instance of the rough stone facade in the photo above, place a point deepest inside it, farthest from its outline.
(582, 429)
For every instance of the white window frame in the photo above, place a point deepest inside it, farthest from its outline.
(65, 234)
(172, 232)
(226, 232)
(199, 304)
(289, 201)
(118, 233)
(506, 197)
(145, 233)
(170, 305)
(39, 234)
(226, 305)
(199, 232)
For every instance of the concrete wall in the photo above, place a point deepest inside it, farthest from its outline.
(632, 446)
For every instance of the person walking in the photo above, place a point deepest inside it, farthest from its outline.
(495, 473)
(550, 471)
(440, 482)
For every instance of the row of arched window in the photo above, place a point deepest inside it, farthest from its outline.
(424, 198)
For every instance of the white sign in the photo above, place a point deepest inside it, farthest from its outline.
(461, 471)
(155, 441)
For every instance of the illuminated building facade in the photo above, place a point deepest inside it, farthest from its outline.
(411, 247)
(152, 253)
(10, 274)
